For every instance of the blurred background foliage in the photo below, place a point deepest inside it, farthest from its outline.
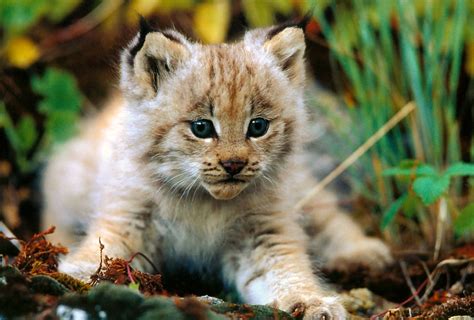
(58, 61)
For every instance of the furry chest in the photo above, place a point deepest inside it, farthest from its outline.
(196, 238)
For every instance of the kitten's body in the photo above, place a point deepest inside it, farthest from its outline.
(139, 178)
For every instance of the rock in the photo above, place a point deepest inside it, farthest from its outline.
(362, 301)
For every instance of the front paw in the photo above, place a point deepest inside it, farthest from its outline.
(367, 252)
(317, 308)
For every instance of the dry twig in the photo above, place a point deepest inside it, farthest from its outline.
(403, 266)
(434, 276)
(399, 116)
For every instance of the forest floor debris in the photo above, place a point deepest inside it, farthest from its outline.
(30, 285)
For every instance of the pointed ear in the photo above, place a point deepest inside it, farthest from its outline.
(287, 45)
(150, 59)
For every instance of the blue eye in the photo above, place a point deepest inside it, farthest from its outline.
(257, 127)
(203, 128)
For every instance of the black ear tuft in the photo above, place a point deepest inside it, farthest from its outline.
(150, 59)
(145, 28)
(296, 23)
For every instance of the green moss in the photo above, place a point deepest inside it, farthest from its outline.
(47, 285)
(17, 299)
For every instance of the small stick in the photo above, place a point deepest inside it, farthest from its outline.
(146, 258)
(414, 293)
(434, 274)
(442, 217)
(129, 273)
(431, 281)
(399, 116)
(434, 279)
(422, 285)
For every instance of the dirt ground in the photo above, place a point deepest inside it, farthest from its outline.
(31, 287)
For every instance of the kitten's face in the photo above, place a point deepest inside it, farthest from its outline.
(225, 120)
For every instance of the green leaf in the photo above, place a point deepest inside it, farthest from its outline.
(61, 103)
(282, 6)
(410, 205)
(58, 9)
(60, 91)
(17, 15)
(3, 115)
(460, 169)
(430, 189)
(409, 163)
(134, 286)
(464, 223)
(258, 13)
(26, 130)
(20, 138)
(421, 170)
(10, 130)
(390, 213)
(61, 125)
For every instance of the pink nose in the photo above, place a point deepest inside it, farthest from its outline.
(233, 166)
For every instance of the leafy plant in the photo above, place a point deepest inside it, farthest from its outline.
(16, 16)
(391, 53)
(62, 98)
(430, 185)
(465, 221)
(21, 136)
(61, 103)
(60, 106)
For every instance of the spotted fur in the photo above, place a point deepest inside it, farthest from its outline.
(138, 178)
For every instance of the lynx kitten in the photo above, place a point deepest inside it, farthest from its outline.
(202, 164)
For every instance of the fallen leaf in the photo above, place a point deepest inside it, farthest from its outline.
(140, 7)
(211, 21)
(5, 168)
(21, 52)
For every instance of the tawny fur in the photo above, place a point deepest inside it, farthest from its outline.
(140, 180)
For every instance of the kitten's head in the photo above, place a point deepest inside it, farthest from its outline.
(220, 118)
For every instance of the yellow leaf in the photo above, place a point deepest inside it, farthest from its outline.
(283, 6)
(470, 58)
(170, 5)
(211, 20)
(21, 52)
(259, 13)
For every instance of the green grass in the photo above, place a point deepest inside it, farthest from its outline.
(390, 53)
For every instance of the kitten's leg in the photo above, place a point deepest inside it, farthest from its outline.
(67, 188)
(269, 265)
(122, 232)
(337, 242)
